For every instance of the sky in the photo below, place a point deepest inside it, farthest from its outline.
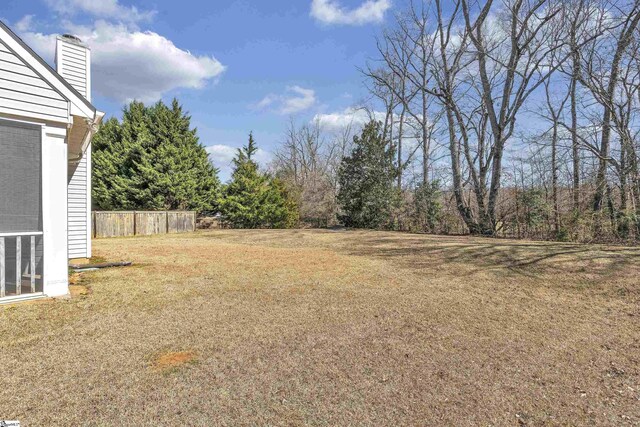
(235, 66)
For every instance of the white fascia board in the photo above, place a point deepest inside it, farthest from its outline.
(76, 110)
(77, 105)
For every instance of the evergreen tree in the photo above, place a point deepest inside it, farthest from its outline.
(536, 209)
(252, 199)
(173, 168)
(108, 182)
(367, 194)
(152, 160)
(136, 138)
(428, 207)
(283, 209)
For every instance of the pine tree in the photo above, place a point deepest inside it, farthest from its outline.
(252, 199)
(152, 160)
(367, 195)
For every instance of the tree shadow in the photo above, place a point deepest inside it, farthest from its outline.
(468, 256)
(554, 264)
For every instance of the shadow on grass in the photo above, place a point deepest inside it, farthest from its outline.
(466, 256)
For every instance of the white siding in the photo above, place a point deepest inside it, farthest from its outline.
(24, 93)
(73, 64)
(79, 215)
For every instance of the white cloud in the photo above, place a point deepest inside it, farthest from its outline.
(303, 100)
(131, 64)
(25, 23)
(43, 44)
(221, 156)
(295, 100)
(110, 9)
(332, 13)
(356, 117)
(266, 102)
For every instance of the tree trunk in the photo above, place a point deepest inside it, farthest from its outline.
(635, 189)
(425, 136)
(574, 135)
(554, 177)
(458, 191)
(399, 146)
(601, 177)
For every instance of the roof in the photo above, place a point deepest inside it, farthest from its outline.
(47, 72)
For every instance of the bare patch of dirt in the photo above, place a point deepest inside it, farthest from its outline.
(74, 278)
(172, 360)
(78, 287)
(79, 290)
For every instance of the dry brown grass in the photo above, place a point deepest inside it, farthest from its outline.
(333, 328)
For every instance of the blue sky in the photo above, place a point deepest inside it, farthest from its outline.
(236, 66)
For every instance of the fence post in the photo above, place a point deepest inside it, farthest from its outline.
(166, 222)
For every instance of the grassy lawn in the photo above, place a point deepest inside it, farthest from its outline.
(332, 328)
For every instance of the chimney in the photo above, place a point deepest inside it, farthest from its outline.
(73, 63)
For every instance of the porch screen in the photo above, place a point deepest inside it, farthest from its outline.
(20, 177)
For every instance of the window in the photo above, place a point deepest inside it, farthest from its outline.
(20, 177)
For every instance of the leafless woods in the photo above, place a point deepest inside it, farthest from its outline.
(525, 112)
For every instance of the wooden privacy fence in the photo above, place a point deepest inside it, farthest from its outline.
(142, 223)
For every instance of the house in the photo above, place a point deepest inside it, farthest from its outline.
(46, 125)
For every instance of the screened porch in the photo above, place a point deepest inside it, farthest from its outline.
(21, 236)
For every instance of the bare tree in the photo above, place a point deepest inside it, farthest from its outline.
(511, 63)
(396, 52)
(406, 52)
(553, 114)
(461, 84)
(308, 159)
(600, 73)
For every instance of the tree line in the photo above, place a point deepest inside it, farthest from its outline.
(152, 160)
(504, 118)
(514, 118)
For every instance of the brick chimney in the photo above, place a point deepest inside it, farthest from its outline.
(73, 63)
